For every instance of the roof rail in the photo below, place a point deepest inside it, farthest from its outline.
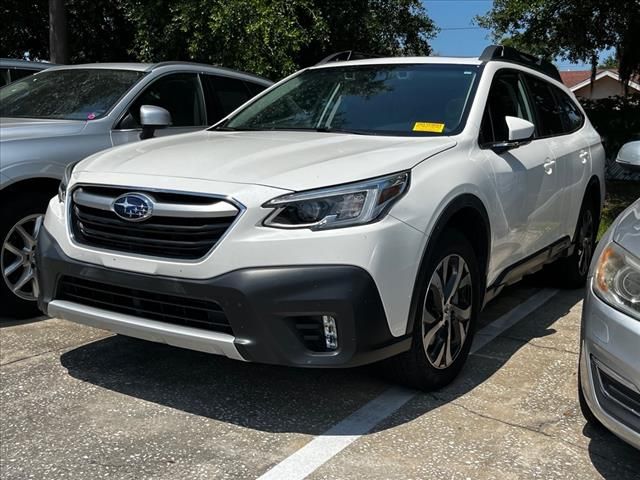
(509, 54)
(346, 56)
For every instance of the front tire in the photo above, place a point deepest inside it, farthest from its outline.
(445, 317)
(22, 218)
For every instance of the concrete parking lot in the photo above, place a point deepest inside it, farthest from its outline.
(81, 403)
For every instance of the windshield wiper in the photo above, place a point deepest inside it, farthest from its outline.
(343, 130)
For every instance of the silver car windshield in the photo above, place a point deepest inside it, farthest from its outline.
(75, 94)
(399, 99)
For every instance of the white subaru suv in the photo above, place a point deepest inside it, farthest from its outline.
(357, 211)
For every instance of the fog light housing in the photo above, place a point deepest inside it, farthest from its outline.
(330, 332)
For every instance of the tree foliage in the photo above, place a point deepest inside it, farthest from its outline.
(575, 30)
(268, 37)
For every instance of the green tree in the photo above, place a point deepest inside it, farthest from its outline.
(575, 30)
(97, 31)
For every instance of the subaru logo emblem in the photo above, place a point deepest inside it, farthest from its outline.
(134, 207)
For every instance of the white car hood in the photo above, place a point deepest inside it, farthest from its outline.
(29, 128)
(287, 160)
(627, 229)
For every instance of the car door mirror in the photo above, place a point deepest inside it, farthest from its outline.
(629, 156)
(520, 133)
(153, 117)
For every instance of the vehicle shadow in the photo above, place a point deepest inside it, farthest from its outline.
(280, 399)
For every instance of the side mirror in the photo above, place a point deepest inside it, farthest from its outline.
(520, 130)
(520, 133)
(629, 156)
(152, 118)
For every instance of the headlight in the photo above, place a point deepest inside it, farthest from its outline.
(62, 188)
(335, 207)
(617, 279)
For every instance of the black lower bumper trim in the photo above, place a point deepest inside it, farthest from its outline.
(262, 306)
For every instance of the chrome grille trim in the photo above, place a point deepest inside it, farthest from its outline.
(218, 209)
(206, 199)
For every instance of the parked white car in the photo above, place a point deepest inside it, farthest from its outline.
(356, 211)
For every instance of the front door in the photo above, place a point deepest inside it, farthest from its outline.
(179, 93)
(527, 178)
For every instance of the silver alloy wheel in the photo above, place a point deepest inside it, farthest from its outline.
(446, 313)
(17, 258)
(585, 242)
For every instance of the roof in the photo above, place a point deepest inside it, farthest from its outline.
(149, 67)
(578, 79)
(25, 64)
(404, 60)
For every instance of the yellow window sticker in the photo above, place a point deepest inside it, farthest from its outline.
(428, 127)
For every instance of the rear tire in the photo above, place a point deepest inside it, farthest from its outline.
(22, 219)
(445, 317)
(572, 271)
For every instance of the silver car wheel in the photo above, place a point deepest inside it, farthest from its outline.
(446, 313)
(17, 258)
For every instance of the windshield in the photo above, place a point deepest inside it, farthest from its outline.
(422, 99)
(66, 94)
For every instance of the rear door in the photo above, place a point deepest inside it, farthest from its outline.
(179, 93)
(570, 148)
(527, 181)
(224, 94)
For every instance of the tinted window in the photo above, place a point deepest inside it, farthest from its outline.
(549, 113)
(507, 98)
(223, 95)
(75, 94)
(18, 73)
(178, 93)
(254, 88)
(369, 99)
(571, 116)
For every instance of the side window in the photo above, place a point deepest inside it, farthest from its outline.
(179, 93)
(571, 116)
(223, 95)
(254, 88)
(507, 97)
(18, 73)
(549, 113)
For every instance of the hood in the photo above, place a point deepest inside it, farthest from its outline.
(28, 128)
(627, 229)
(288, 160)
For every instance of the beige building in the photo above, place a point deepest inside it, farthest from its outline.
(606, 84)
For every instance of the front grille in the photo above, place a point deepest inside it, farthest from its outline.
(189, 312)
(188, 229)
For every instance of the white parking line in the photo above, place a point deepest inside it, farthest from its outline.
(322, 448)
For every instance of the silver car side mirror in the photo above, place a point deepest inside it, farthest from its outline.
(629, 156)
(153, 117)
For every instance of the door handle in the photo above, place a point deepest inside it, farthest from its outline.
(548, 166)
(584, 156)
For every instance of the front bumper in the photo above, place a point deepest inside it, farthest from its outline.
(610, 367)
(262, 306)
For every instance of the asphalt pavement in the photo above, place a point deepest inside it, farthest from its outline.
(81, 403)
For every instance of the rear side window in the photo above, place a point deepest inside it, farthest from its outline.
(254, 88)
(18, 73)
(549, 112)
(571, 116)
(223, 95)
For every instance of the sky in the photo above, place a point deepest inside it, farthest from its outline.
(459, 36)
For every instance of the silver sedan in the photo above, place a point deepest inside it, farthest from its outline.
(609, 369)
(60, 116)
